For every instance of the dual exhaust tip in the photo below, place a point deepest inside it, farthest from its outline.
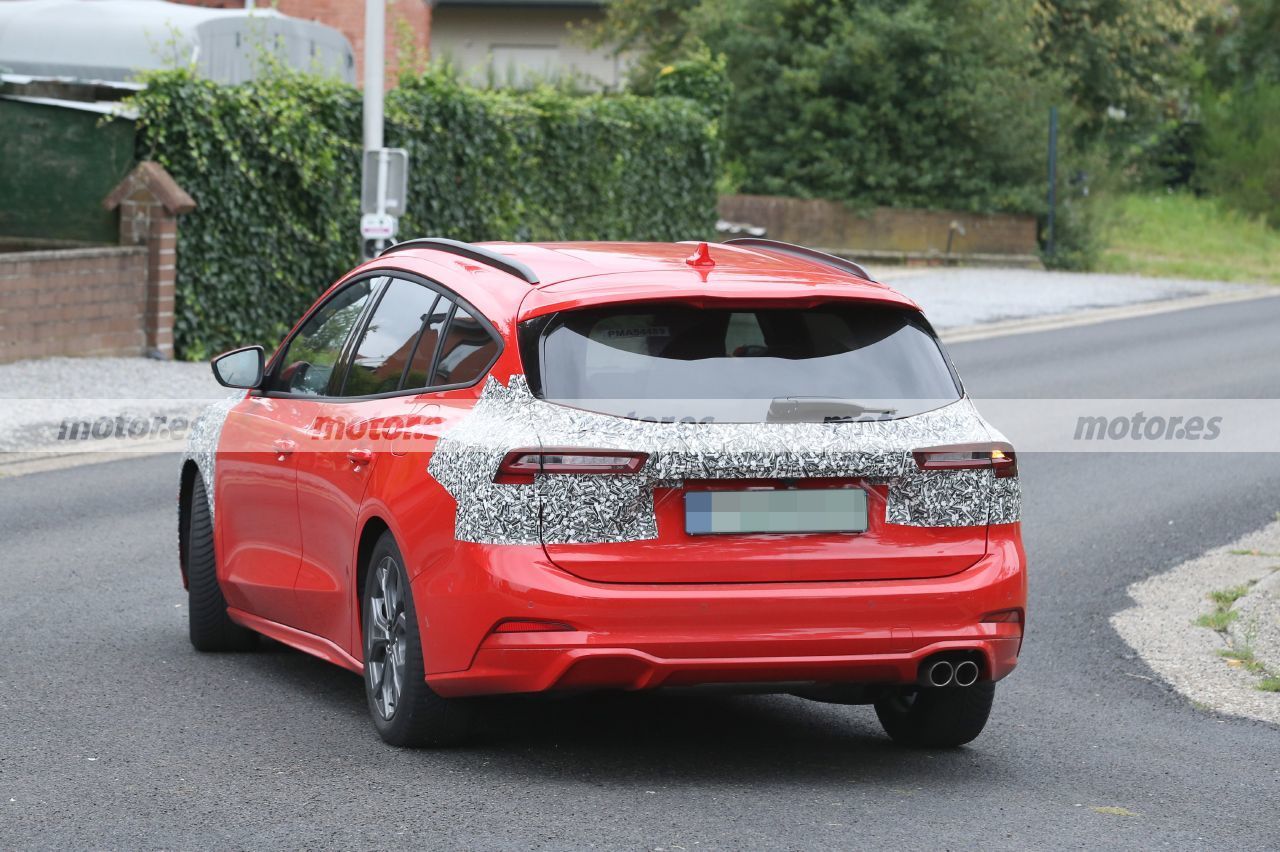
(944, 672)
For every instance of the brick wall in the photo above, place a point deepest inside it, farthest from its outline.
(103, 300)
(347, 16)
(88, 301)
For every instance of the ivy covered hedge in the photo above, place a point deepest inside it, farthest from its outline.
(274, 166)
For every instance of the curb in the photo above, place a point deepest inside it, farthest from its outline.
(1204, 664)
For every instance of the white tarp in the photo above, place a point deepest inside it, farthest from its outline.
(117, 39)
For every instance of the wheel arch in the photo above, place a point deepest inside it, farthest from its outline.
(190, 470)
(374, 527)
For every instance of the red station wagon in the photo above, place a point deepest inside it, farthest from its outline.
(518, 468)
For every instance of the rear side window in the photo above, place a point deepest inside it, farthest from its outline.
(466, 351)
(387, 344)
(674, 362)
(420, 368)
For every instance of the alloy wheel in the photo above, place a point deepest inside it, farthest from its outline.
(385, 639)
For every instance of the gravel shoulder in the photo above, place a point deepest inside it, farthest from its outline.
(1169, 625)
(42, 401)
(958, 297)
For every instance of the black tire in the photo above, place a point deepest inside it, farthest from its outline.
(936, 717)
(418, 717)
(211, 629)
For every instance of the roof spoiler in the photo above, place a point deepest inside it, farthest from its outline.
(792, 250)
(480, 254)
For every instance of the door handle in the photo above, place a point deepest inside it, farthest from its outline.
(284, 447)
(360, 456)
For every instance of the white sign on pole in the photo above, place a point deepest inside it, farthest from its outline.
(378, 226)
(391, 165)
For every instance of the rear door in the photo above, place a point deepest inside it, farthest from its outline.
(345, 441)
(740, 409)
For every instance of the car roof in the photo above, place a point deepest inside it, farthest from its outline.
(579, 274)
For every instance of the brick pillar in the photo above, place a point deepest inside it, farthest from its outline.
(150, 202)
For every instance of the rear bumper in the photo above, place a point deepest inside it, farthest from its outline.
(647, 636)
(509, 670)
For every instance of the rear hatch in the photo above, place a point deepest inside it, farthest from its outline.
(749, 443)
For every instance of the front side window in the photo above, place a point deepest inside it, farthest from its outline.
(308, 363)
(388, 343)
(828, 363)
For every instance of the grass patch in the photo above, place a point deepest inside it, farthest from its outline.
(1252, 553)
(1219, 620)
(1245, 657)
(1181, 236)
(1226, 597)
(1222, 616)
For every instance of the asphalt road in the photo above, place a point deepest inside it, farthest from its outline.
(116, 734)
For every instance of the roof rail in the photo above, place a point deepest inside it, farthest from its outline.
(803, 253)
(480, 254)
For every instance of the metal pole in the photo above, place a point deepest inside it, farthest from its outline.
(1053, 178)
(375, 33)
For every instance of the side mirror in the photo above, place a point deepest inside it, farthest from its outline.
(240, 368)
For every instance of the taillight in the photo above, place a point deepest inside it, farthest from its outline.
(999, 457)
(521, 465)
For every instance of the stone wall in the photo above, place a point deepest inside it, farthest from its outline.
(883, 231)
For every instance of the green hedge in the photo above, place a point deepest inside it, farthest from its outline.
(274, 166)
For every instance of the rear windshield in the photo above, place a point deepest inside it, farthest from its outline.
(675, 362)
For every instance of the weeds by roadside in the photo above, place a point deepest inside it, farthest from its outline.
(1244, 658)
(1238, 654)
(1222, 616)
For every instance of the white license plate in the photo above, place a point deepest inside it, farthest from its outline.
(811, 510)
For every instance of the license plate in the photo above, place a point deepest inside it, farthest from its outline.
(812, 510)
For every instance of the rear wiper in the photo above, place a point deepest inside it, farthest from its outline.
(825, 409)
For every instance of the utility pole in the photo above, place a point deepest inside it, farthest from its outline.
(375, 69)
(385, 177)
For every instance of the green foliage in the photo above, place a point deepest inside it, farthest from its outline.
(1241, 44)
(1079, 237)
(1238, 156)
(652, 33)
(1241, 162)
(701, 78)
(919, 104)
(1124, 63)
(274, 166)
(1179, 235)
(924, 103)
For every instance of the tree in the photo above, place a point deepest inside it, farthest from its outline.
(1125, 63)
(900, 102)
(1240, 145)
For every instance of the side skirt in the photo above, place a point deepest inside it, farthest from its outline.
(309, 643)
